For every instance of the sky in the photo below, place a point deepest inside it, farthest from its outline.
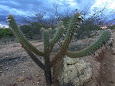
(24, 8)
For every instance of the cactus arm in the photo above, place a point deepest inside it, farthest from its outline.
(91, 49)
(49, 30)
(46, 44)
(57, 36)
(69, 35)
(46, 57)
(35, 59)
(22, 39)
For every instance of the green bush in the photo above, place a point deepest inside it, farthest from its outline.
(85, 30)
(5, 33)
(111, 27)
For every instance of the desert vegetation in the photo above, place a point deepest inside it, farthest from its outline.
(59, 30)
(75, 21)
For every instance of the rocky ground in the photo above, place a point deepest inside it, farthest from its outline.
(17, 68)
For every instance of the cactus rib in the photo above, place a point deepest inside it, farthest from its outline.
(89, 50)
(21, 37)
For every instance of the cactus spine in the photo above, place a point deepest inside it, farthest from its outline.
(49, 44)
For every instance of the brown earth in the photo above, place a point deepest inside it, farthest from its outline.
(17, 69)
(103, 67)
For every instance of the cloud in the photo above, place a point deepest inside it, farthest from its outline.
(110, 4)
(2, 26)
(23, 8)
(20, 6)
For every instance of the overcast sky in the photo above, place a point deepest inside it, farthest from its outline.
(24, 8)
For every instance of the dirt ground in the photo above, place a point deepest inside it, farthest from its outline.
(17, 68)
(108, 66)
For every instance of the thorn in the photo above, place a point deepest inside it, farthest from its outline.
(77, 23)
(75, 34)
(77, 26)
(6, 17)
(80, 17)
(81, 22)
(112, 39)
(64, 35)
(8, 20)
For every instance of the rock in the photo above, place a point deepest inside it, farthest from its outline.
(14, 46)
(1, 66)
(6, 56)
(23, 71)
(29, 77)
(6, 68)
(13, 84)
(74, 72)
(21, 79)
(37, 82)
(37, 75)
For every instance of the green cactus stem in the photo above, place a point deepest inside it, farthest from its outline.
(59, 33)
(92, 48)
(21, 37)
(46, 57)
(73, 25)
(35, 59)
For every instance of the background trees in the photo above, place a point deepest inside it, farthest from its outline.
(93, 20)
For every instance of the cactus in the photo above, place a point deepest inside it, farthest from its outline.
(49, 44)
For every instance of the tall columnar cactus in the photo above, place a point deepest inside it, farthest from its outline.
(49, 44)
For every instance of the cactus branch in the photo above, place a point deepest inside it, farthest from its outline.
(58, 35)
(69, 35)
(21, 37)
(46, 57)
(34, 58)
(89, 50)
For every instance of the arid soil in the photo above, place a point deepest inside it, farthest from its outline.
(103, 67)
(108, 66)
(17, 68)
